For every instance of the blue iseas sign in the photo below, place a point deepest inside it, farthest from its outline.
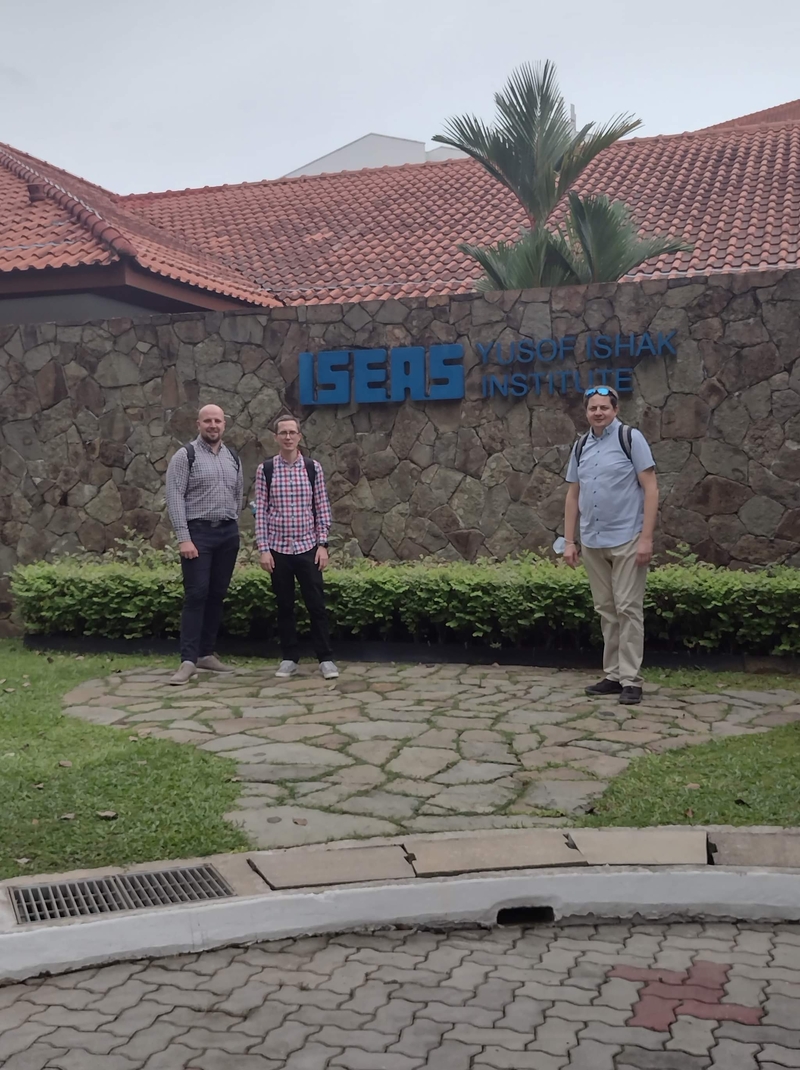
(366, 376)
(339, 376)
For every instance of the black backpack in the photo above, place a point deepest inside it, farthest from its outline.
(625, 439)
(189, 447)
(311, 471)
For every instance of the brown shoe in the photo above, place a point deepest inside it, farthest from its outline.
(184, 673)
(212, 664)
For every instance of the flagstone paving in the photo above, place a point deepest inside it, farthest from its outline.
(391, 749)
(575, 997)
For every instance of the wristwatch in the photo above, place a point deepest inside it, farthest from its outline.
(324, 545)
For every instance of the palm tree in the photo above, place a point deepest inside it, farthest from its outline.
(532, 149)
(598, 242)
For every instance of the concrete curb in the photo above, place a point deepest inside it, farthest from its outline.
(610, 892)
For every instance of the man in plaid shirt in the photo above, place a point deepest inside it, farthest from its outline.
(292, 524)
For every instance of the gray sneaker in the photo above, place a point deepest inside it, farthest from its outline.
(286, 669)
(211, 663)
(328, 670)
(184, 674)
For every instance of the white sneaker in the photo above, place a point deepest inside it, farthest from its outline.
(328, 670)
(286, 669)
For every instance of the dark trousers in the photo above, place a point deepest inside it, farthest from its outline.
(300, 566)
(205, 584)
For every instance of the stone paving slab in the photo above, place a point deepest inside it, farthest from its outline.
(300, 868)
(614, 996)
(393, 749)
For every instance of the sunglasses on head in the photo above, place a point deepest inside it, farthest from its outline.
(604, 391)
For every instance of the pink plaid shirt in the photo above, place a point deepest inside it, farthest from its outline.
(285, 520)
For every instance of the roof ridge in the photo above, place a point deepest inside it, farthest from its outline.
(710, 131)
(83, 213)
(287, 179)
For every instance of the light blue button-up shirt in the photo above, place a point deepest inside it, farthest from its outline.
(611, 501)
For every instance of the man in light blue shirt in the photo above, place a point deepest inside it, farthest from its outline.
(612, 485)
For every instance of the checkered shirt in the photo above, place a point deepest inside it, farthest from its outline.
(211, 491)
(285, 519)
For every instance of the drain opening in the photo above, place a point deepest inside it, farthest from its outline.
(525, 916)
(106, 895)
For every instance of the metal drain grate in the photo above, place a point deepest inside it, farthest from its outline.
(106, 895)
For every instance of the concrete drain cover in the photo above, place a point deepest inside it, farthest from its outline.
(106, 895)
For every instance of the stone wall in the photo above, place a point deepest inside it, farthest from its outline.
(90, 414)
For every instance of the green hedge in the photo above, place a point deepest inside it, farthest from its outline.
(535, 603)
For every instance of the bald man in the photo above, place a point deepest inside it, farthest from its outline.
(204, 498)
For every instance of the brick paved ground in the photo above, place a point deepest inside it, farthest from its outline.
(621, 996)
(390, 749)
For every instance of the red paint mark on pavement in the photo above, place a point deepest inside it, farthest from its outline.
(697, 992)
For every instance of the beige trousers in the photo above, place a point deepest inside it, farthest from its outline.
(618, 585)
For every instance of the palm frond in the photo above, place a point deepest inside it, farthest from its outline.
(605, 242)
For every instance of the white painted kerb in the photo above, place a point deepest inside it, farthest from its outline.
(762, 895)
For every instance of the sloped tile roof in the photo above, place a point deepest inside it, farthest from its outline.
(783, 113)
(75, 223)
(393, 231)
(733, 193)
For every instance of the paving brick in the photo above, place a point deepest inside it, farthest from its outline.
(471, 1034)
(635, 1058)
(572, 1012)
(338, 1017)
(152, 1039)
(221, 1060)
(564, 993)
(175, 1057)
(624, 1035)
(728, 1055)
(281, 1042)
(783, 1011)
(76, 1059)
(692, 1035)
(590, 1055)
(780, 1055)
(36, 1057)
(451, 1055)
(368, 1039)
(557, 1036)
(442, 1012)
(618, 993)
(356, 1059)
(759, 1034)
(245, 999)
(469, 976)
(262, 1020)
(311, 1056)
(95, 1043)
(504, 1059)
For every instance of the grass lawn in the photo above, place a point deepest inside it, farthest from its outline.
(742, 780)
(169, 798)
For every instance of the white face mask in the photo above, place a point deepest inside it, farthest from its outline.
(560, 545)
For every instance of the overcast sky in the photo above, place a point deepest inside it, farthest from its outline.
(162, 94)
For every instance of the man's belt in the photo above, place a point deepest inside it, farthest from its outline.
(213, 523)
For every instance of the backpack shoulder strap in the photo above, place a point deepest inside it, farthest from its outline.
(626, 440)
(189, 447)
(268, 468)
(235, 456)
(311, 472)
(579, 446)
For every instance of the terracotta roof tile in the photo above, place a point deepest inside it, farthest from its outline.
(75, 223)
(783, 113)
(393, 231)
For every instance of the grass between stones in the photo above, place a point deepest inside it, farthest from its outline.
(745, 780)
(169, 798)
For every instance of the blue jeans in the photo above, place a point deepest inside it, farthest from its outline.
(205, 584)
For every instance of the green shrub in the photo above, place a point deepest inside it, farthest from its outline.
(530, 602)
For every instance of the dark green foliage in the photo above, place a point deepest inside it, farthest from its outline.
(530, 602)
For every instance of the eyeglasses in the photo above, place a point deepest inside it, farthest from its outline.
(603, 391)
(287, 434)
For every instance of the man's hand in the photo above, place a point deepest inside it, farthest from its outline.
(321, 558)
(571, 554)
(188, 550)
(644, 551)
(267, 561)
